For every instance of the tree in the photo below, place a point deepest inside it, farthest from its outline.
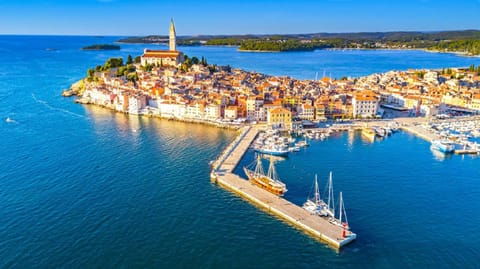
(204, 61)
(471, 68)
(90, 73)
(113, 63)
(129, 59)
(138, 59)
(195, 60)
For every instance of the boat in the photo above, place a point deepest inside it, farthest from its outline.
(380, 132)
(475, 133)
(269, 181)
(369, 133)
(342, 220)
(444, 146)
(302, 143)
(316, 206)
(330, 200)
(272, 150)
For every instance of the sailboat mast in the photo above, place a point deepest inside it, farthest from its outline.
(344, 211)
(341, 207)
(330, 195)
(317, 193)
(271, 170)
(258, 168)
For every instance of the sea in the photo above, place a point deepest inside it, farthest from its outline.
(85, 187)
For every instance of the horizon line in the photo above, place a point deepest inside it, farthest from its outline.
(236, 34)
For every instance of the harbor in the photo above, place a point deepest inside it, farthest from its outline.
(320, 228)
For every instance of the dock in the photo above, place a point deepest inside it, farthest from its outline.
(315, 226)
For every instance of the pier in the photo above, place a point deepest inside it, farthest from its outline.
(316, 226)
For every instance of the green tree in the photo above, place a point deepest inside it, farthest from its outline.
(195, 60)
(90, 73)
(129, 59)
(113, 63)
(204, 61)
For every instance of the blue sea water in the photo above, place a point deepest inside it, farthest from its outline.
(84, 187)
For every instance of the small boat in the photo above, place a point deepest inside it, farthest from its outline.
(294, 149)
(316, 206)
(303, 143)
(475, 133)
(369, 133)
(342, 220)
(272, 150)
(444, 146)
(269, 181)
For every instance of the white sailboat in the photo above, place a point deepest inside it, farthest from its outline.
(330, 201)
(342, 220)
(316, 206)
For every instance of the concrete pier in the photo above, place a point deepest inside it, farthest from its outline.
(313, 225)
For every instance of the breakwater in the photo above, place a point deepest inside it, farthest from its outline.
(318, 227)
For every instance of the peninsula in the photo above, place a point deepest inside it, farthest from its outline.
(169, 84)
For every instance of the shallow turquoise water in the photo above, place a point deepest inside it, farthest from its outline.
(83, 187)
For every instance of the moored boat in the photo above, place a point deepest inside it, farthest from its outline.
(316, 205)
(269, 181)
(444, 146)
(272, 150)
(369, 134)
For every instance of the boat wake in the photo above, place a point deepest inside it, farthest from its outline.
(9, 120)
(47, 105)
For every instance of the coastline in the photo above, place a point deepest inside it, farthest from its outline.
(152, 115)
(261, 51)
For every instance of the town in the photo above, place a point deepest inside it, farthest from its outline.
(168, 84)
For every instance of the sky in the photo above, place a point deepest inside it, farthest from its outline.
(200, 17)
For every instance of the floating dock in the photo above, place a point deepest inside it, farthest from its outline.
(318, 227)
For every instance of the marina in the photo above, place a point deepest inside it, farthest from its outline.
(447, 136)
(332, 233)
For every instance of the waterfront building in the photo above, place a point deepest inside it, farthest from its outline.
(231, 112)
(170, 57)
(212, 112)
(170, 109)
(320, 112)
(306, 112)
(195, 110)
(279, 118)
(365, 104)
(475, 102)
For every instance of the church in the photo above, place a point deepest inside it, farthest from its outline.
(170, 57)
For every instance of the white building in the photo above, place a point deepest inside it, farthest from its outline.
(254, 111)
(231, 112)
(306, 112)
(212, 112)
(365, 104)
(171, 110)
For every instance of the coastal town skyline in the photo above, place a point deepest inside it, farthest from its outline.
(107, 17)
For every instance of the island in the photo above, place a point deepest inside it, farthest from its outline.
(102, 47)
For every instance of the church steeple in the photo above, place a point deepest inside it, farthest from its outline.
(173, 36)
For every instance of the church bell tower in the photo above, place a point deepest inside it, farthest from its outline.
(173, 37)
